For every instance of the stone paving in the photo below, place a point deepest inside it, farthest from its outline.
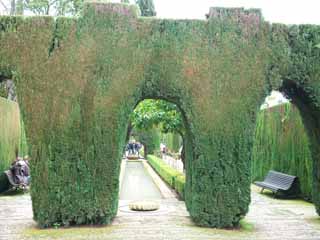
(268, 218)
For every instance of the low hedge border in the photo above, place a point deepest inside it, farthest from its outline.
(171, 176)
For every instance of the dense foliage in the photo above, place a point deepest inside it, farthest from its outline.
(64, 7)
(281, 143)
(43, 7)
(79, 79)
(157, 113)
(3, 90)
(152, 117)
(149, 138)
(173, 141)
(54, 7)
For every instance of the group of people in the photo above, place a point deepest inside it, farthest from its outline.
(133, 148)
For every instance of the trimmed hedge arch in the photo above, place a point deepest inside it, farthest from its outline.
(79, 79)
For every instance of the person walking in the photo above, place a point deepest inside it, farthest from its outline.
(130, 148)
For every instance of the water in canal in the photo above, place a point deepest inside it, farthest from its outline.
(137, 184)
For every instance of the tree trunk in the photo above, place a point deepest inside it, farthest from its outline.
(129, 131)
(19, 7)
(48, 9)
(13, 7)
(145, 153)
(183, 153)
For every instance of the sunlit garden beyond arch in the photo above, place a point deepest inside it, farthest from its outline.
(79, 81)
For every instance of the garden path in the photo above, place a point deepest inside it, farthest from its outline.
(268, 218)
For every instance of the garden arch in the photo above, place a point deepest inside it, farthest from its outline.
(78, 79)
(295, 72)
(311, 118)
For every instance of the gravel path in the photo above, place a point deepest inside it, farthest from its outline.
(268, 219)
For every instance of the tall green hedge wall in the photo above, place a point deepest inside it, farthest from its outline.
(173, 141)
(78, 80)
(281, 143)
(12, 136)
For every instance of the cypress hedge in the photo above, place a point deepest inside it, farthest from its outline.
(172, 141)
(149, 138)
(12, 135)
(79, 79)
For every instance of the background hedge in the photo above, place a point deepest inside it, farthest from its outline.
(149, 138)
(173, 141)
(12, 135)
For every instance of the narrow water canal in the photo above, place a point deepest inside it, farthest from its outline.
(137, 184)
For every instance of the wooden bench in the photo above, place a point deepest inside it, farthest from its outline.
(279, 182)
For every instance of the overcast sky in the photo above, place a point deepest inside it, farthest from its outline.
(283, 11)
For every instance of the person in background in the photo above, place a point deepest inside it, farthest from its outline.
(163, 148)
(138, 147)
(130, 147)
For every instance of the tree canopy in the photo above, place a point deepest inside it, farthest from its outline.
(147, 8)
(54, 7)
(64, 7)
(165, 115)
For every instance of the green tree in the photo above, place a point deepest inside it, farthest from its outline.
(157, 113)
(160, 113)
(54, 7)
(149, 138)
(125, 1)
(12, 7)
(147, 8)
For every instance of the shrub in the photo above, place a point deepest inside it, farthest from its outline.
(171, 176)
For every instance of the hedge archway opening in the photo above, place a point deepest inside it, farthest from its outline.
(13, 142)
(160, 115)
(145, 135)
(310, 115)
(150, 118)
(281, 143)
